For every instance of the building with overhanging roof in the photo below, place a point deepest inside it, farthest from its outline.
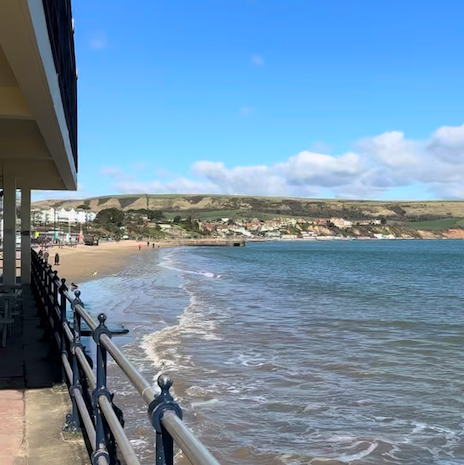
(38, 113)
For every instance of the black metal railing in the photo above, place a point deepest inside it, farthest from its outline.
(58, 15)
(92, 408)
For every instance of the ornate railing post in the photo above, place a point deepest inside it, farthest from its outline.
(54, 287)
(48, 300)
(44, 264)
(63, 318)
(48, 309)
(76, 316)
(48, 270)
(160, 404)
(72, 421)
(101, 446)
(40, 292)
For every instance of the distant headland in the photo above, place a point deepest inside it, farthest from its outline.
(323, 217)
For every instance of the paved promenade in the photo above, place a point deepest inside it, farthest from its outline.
(32, 413)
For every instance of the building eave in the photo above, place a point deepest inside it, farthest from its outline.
(25, 41)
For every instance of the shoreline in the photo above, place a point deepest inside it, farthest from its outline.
(83, 263)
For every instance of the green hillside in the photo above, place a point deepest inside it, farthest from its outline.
(425, 213)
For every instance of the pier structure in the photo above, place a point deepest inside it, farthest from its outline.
(55, 404)
(38, 151)
(38, 115)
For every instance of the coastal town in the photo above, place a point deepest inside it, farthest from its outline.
(72, 225)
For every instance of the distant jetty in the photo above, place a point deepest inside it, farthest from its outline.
(210, 242)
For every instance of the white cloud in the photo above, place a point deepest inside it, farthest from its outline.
(376, 167)
(257, 60)
(98, 41)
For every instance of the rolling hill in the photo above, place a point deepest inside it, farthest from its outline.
(213, 206)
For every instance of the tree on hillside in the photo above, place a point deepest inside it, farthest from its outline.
(383, 220)
(110, 216)
(155, 215)
(177, 219)
(110, 219)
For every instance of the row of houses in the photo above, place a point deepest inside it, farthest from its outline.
(342, 223)
(278, 223)
(62, 215)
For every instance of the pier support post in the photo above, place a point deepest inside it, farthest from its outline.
(9, 228)
(25, 235)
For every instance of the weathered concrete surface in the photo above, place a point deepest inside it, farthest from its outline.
(45, 414)
(12, 426)
(31, 413)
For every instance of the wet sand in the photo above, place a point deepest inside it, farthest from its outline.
(85, 263)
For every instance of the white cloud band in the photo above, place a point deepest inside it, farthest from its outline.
(378, 165)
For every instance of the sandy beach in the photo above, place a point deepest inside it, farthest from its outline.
(85, 263)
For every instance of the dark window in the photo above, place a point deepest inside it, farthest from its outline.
(60, 31)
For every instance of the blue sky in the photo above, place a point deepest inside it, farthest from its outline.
(321, 98)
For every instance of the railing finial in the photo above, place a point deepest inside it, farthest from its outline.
(165, 383)
(101, 329)
(162, 402)
(77, 300)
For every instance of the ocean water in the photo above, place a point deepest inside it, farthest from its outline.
(281, 352)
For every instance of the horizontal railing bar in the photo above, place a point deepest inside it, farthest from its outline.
(89, 428)
(113, 422)
(86, 367)
(139, 382)
(81, 358)
(88, 425)
(68, 332)
(121, 439)
(67, 367)
(102, 460)
(193, 449)
(85, 316)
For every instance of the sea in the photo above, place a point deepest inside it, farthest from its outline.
(286, 351)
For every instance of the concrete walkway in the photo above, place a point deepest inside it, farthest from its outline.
(32, 413)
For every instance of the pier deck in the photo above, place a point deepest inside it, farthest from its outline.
(32, 412)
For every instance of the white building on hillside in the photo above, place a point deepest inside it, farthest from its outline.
(341, 223)
(61, 215)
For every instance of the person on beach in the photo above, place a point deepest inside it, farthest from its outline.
(57, 259)
(153, 245)
(140, 246)
(46, 255)
(148, 243)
